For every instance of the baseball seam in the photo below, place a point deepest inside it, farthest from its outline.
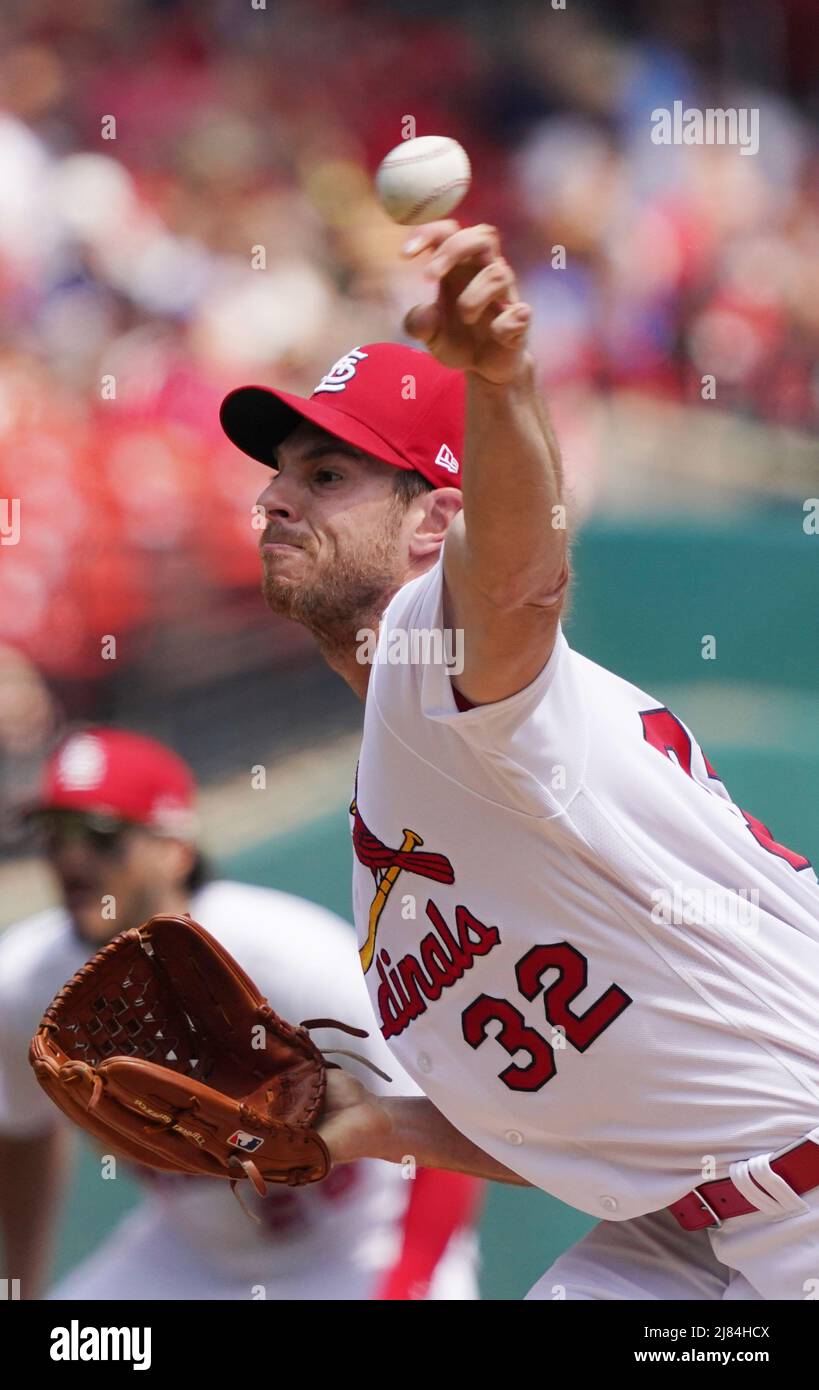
(398, 159)
(436, 193)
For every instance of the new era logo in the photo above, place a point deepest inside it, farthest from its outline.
(446, 459)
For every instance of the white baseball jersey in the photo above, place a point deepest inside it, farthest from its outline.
(339, 1238)
(596, 965)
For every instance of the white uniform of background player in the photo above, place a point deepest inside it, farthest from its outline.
(188, 1238)
(116, 818)
(616, 976)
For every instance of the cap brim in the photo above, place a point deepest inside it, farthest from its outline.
(181, 824)
(29, 810)
(256, 419)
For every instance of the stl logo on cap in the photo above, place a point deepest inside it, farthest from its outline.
(81, 763)
(341, 371)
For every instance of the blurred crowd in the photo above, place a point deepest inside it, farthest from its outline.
(187, 204)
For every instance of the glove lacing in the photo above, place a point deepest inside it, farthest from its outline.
(246, 1164)
(341, 1051)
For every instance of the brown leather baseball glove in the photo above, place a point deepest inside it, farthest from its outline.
(163, 1048)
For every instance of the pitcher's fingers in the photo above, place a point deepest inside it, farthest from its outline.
(495, 282)
(422, 321)
(428, 235)
(512, 324)
(481, 244)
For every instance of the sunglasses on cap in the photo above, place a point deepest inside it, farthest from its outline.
(102, 834)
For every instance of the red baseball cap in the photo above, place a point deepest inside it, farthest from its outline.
(397, 403)
(111, 772)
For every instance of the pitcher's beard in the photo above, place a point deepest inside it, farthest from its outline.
(339, 602)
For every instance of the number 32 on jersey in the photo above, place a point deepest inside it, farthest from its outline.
(665, 733)
(515, 1035)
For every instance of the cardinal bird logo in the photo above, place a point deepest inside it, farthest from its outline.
(385, 865)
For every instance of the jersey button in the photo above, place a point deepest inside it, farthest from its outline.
(609, 1203)
(513, 1136)
(424, 1062)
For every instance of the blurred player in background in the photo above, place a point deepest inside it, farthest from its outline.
(116, 823)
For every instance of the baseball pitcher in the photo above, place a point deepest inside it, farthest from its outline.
(601, 971)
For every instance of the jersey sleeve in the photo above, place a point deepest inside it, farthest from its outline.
(25, 1109)
(37, 956)
(441, 1204)
(339, 992)
(527, 751)
(305, 961)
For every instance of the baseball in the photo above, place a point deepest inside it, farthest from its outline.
(423, 179)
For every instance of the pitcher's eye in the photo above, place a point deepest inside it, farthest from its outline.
(327, 475)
